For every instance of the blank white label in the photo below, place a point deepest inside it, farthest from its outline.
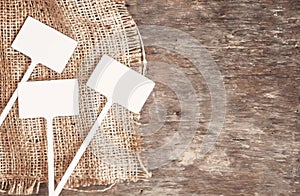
(48, 98)
(44, 44)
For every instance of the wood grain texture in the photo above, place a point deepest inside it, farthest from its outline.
(256, 46)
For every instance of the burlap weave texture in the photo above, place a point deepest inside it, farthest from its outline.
(100, 27)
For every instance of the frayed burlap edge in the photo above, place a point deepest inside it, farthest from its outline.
(24, 186)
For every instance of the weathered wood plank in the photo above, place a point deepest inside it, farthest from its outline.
(256, 46)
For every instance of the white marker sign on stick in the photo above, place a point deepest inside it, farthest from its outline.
(48, 99)
(120, 85)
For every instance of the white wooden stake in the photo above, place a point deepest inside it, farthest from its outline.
(48, 99)
(120, 85)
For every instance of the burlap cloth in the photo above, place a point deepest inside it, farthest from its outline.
(100, 27)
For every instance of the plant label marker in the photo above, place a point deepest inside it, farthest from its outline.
(44, 45)
(48, 99)
(119, 84)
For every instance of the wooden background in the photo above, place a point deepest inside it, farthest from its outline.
(256, 46)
